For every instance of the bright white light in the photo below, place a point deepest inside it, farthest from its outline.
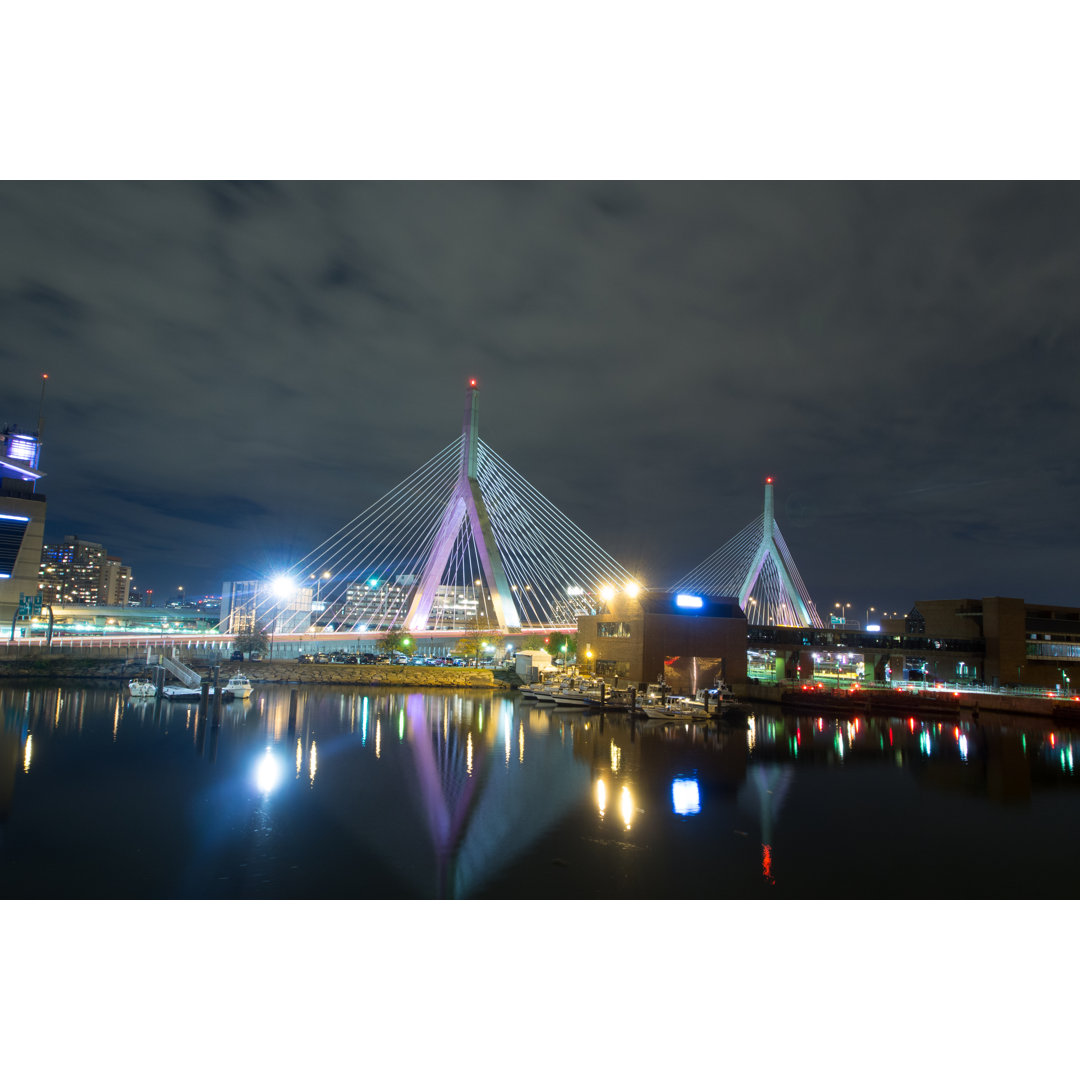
(574, 590)
(685, 796)
(607, 593)
(601, 796)
(872, 627)
(686, 600)
(283, 586)
(632, 589)
(267, 772)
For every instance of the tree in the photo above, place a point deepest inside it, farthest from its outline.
(555, 643)
(397, 641)
(478, 641)
(251, 641)
(531, 642)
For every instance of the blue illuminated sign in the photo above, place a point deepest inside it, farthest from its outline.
(688, 601)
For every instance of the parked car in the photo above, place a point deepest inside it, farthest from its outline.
(236, 655)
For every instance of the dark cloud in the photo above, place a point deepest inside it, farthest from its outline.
(902, 357)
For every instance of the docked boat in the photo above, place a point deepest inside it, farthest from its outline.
(142, 688)
(185, 693)
(239, 685)
(611, 700)
(577, 694)
(677, 711)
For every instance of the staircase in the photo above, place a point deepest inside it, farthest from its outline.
(191, 679)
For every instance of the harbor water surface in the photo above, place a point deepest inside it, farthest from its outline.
(466, 794)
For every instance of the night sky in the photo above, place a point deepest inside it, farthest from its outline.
(238, 369)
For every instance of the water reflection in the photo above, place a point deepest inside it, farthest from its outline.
(454, 806)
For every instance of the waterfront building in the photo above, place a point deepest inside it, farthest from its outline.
(1022, 643)
(79, 571)
(22, 521)
(693, 640)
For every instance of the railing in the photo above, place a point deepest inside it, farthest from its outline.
(191, 679)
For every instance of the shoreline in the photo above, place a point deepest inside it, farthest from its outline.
(260, 671)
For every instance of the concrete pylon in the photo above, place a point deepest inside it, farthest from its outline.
(466, 502)
(766, 549)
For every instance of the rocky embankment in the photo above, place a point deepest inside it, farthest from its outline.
(261, 671)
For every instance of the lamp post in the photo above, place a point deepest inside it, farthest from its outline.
(842, 617)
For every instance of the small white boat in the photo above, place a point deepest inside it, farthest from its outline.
(142, 688)
(240, 685)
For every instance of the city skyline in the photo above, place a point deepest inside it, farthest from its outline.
(236, 370)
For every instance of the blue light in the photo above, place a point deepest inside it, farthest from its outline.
(686, 600)
(685, 796)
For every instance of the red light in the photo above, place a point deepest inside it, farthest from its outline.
(472, 382)
(768, 479)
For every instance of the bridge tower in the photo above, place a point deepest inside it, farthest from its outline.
(465, 506)
(756, 566)
(768, 549)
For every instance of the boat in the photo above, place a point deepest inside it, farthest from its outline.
(142, 688)
(676, 711)
(185, 693)
(577, 695)
(614, 700)
(239, 685)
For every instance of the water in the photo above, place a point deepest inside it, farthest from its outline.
(479, 794)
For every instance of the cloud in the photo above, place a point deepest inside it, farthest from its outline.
(647, 353)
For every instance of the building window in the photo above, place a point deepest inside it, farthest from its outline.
(613, 629)
(607, 669)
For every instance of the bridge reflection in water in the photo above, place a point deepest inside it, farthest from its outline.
(445, 793)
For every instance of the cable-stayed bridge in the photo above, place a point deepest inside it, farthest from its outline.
(756, 566)
(464, 541)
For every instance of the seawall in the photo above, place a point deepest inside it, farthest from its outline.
(258, 671)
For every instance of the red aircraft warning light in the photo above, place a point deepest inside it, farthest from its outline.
(472, 382)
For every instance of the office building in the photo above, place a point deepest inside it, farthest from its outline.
(79, 571)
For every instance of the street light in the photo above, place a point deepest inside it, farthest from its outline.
(318, 584)
(842, 618)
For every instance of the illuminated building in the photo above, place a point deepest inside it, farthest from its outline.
(691, 639)
(22, 520)
(82, 572)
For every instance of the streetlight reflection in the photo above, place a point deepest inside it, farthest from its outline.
(267, 772)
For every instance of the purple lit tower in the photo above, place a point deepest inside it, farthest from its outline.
(466, 504)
